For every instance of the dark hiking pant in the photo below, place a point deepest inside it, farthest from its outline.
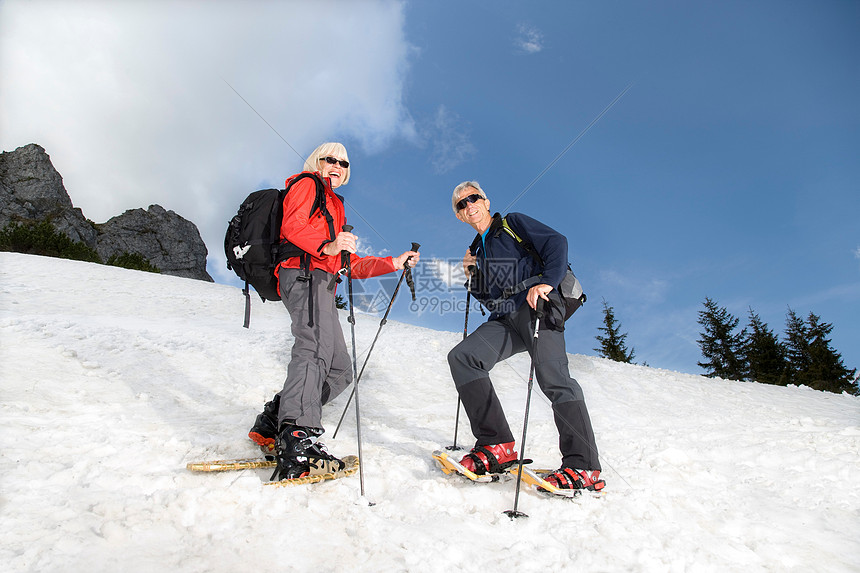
(473, 358)
(320, 365)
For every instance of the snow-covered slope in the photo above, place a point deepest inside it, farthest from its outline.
(112, 380)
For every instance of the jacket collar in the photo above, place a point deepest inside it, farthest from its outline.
(492, 230)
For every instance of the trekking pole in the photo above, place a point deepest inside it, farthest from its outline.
(472, 269)
(513, 513)
(406, 268)
(344, 258)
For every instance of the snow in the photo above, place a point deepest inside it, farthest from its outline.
(112, 380)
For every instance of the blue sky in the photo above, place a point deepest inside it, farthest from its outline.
(727, 170)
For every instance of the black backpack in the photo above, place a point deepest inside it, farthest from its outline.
(252, 243)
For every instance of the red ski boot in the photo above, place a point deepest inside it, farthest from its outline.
(569, 478)
(490, 459)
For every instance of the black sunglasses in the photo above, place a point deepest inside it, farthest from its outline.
(461, 204)
(332, 160)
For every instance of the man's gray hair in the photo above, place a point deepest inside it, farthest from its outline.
(459, 188)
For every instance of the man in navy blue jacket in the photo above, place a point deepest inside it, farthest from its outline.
(495, 263)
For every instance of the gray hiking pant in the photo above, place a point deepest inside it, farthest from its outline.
(320, 365)
(473, 358)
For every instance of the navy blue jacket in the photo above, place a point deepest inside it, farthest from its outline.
(503, 263)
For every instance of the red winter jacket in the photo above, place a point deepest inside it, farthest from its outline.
(311, 233)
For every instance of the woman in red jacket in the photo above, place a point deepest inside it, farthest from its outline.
(320, 365)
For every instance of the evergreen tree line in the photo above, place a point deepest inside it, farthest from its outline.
(754, 353)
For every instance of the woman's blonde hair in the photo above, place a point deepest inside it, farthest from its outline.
(455, 198)
(327, 150)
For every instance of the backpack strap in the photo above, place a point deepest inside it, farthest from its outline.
(305, 261)
(307, 264)
(320, 203)
(530, 249)
(521, 286)
(247, 293)
(526, 246)
(287, 250)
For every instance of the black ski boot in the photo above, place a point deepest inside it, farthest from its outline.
(299, 453)
(265, 428)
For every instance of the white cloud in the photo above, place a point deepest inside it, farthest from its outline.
(129, 98)
(365, 248)
(528, 39)
(448, 133)
(449, 271)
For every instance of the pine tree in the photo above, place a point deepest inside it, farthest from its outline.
(612, 346)
(797, 346)
(764, 354)
(721, 346)
(813, 361)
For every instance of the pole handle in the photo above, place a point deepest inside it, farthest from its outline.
(539, 308)
(473, 270)
(407, 270)
(344, 255)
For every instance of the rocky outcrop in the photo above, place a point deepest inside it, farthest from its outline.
(31, 190)
(168, 241)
